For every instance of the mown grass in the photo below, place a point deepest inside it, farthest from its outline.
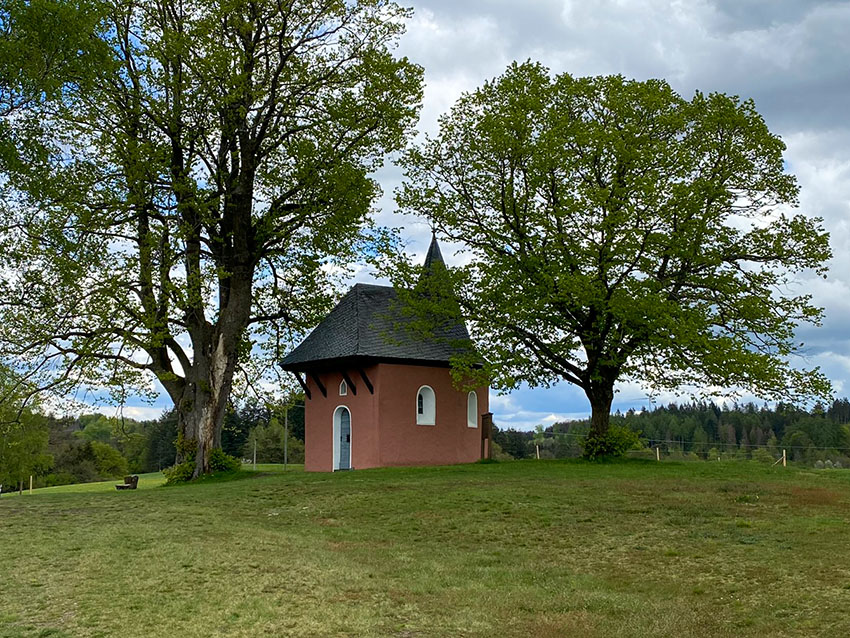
(545, 548)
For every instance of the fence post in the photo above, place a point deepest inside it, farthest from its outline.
(783, 459)
(657, 453)
(30, 484)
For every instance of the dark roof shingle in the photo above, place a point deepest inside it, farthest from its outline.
(369, 323)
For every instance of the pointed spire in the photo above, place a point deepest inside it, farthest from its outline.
(434, 255)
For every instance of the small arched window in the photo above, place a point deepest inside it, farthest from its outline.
(472, 410)
(426, 406)
(343, 388)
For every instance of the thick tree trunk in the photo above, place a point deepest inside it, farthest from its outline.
(200, 411)
(601, 398)
(203, 402)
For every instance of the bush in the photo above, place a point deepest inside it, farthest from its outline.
(616, 442)
(179, 473)
(220, 461)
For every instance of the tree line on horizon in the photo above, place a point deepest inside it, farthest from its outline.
(704, 430)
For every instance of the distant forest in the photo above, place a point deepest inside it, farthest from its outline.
(704, 430)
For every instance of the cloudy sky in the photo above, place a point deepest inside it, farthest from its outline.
(791, 56)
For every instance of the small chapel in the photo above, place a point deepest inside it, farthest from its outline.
(377, 394)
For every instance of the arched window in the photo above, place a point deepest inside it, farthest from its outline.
(343, 388)
(426, 406)
(472, 410)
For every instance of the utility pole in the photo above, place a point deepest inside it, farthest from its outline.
(285, 437)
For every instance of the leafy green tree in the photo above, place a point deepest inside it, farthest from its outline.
(108, 461)
(513, 442)
(614, 229)
(272, 443)
(23, 449)
(23, 435)
(76, 464)
(96, 427)
(175, 188)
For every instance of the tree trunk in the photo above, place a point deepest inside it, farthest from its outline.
(200, 411)
(201, 406)
(601, 399)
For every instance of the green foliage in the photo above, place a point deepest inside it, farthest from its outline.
(23, 434)
(616, 229)
(96, 427)
(614, 443)
(220, 461)
(270, 438)
(180, 473)
(75, 464)
(108, 460)
(160, 449)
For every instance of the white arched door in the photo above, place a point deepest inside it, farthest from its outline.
(342, 438)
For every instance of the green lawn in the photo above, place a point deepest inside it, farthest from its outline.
(539, 549)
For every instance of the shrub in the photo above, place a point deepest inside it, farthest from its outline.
(220, 461)
(179, 473)
(616, 442)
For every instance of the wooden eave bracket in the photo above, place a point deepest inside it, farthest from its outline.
(303, 385)
(319, 383)
(365, 380)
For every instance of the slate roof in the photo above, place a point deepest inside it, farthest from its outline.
(369, 323)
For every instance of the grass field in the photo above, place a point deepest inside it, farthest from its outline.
(543, 548)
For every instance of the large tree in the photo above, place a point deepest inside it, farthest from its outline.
(615, 230)
(177, 181)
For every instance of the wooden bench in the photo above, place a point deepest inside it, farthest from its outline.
(130, 483)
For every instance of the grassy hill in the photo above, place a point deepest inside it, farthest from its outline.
(545, 548)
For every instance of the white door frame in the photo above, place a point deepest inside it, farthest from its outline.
(336, 428)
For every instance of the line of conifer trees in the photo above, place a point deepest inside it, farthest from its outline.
(705, 430)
